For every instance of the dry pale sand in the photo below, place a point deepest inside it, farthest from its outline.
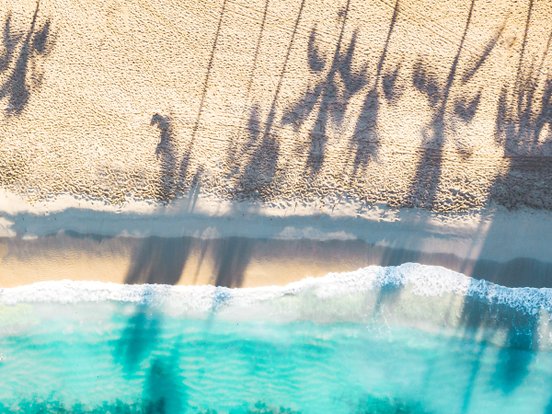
(295, 105)
(438, 104)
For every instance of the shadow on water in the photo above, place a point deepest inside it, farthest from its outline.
(164, 389)
(388, 294)
(389, 405)
(548, 408)
(156, 261)
(485, 321)
(25, 68)
(140, 335)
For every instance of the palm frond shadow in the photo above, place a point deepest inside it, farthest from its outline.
(23, 60)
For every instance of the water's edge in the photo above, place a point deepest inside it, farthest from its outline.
(414, 295)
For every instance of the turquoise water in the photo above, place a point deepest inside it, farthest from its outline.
(148, 354)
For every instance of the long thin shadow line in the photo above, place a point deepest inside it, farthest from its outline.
(454, 67)
(476, 366)
(387, 40)
(288, 53)
(208, 75)
(249, 84)
(257, 48)
(412, 11)
(438, 119)
(271, 114)
(523, 45)
(335, 61)
(545, 54)
(27, 39)
(486, 52)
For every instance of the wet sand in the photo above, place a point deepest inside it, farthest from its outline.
(244, 245)
(231, 262)
(360, 132)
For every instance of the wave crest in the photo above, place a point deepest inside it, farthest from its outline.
(407, 295)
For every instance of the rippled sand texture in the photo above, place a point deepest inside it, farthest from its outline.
(437, 104)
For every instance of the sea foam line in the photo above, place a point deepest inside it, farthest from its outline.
(420, 280)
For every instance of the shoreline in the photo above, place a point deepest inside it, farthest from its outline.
(427, 298)
(245, 245)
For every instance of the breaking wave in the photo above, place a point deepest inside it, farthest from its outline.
(408, 295)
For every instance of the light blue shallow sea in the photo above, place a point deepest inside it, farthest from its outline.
(136, 356)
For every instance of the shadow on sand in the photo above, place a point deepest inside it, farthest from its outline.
(24, 67)
(332, 92)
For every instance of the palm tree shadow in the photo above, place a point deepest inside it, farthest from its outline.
(164, 388)
(256, 180)
(232, 257)
(258, 175)
(26, 74)
(521, 113)
(331, 95)
(425, 183)
(159, 260)
(520, 125)
(365, 141)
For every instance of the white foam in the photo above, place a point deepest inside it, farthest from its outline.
(419, 280)
(408, 296)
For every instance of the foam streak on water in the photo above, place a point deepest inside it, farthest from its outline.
(379, 340)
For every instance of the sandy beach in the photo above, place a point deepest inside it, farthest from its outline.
(276, 206)
(274, 140)
(245, 245)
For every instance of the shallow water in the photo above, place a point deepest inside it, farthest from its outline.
(148, 352)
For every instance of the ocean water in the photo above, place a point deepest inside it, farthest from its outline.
(407, 339)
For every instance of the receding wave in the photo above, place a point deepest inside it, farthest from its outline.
(412, 338)
(411, 294)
